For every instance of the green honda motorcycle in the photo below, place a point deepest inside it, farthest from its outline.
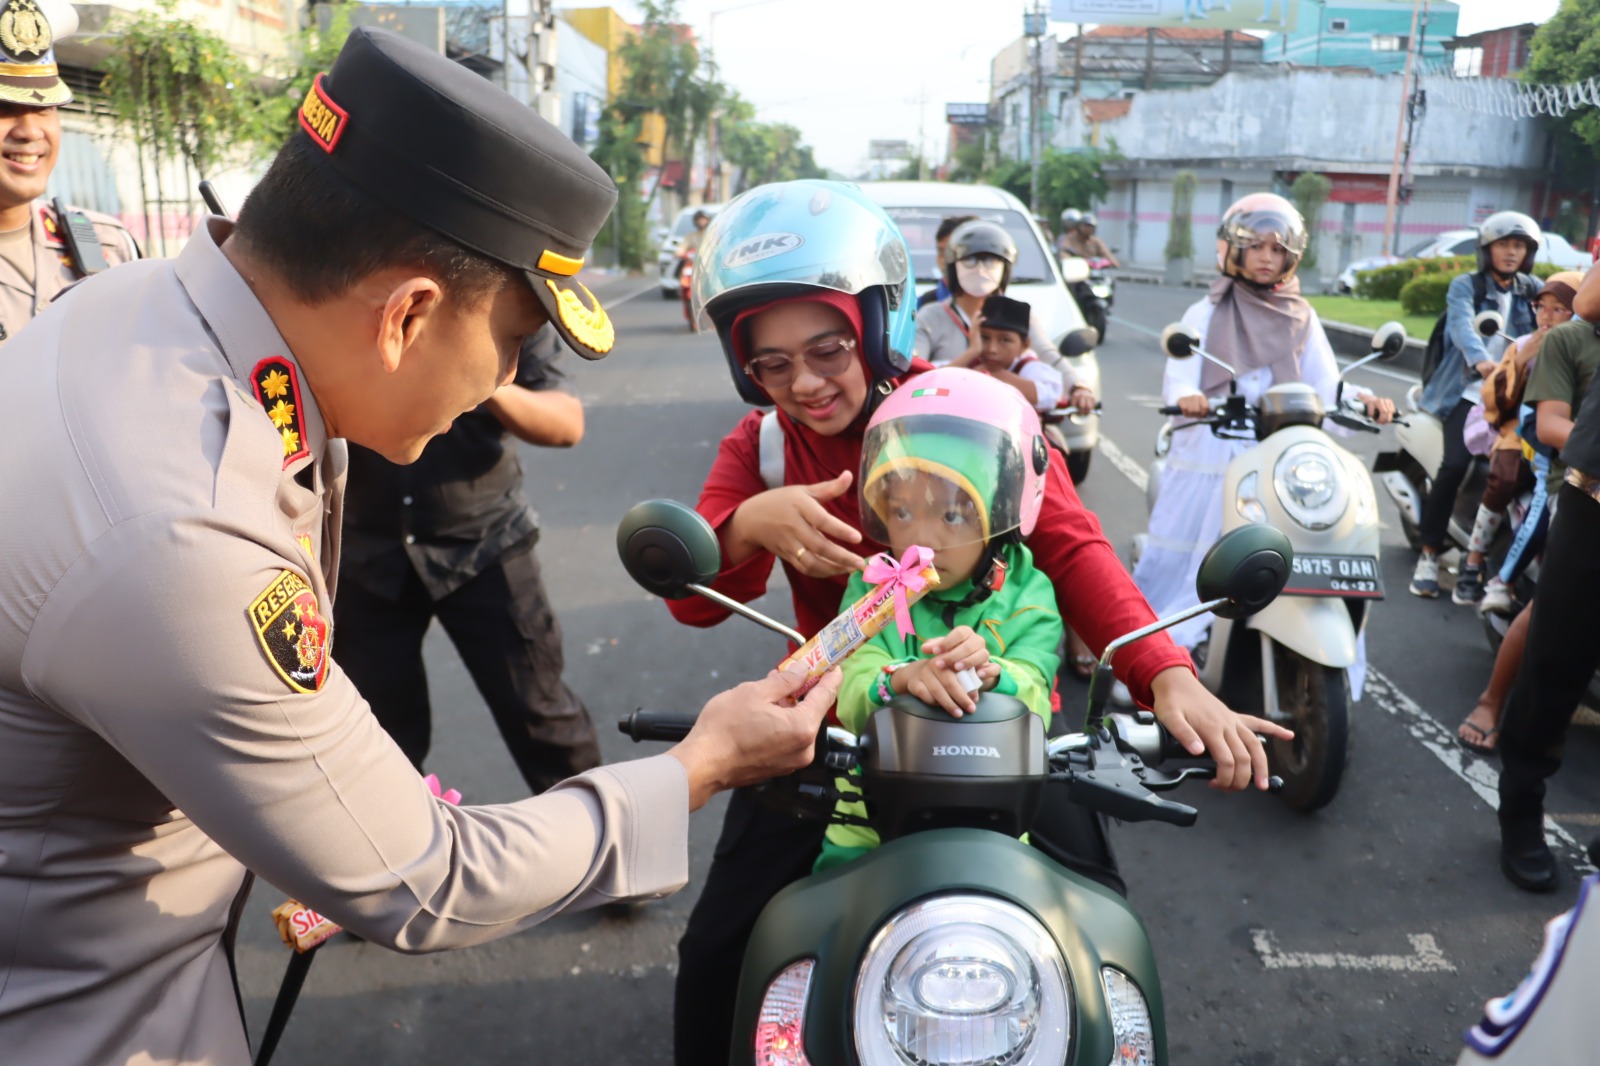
(955, 943)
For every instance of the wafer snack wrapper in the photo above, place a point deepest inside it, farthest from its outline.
(896, 586)
(301, 927)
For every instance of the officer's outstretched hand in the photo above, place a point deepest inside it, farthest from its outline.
(754, 733)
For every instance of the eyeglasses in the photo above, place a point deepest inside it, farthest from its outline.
(825, 359)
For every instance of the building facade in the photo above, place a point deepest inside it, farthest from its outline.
(1374, 34)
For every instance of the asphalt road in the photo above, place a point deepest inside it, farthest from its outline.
(1371, 932)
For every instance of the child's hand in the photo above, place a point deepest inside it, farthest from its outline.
(934, 685)
(990, 673)
(959, 649)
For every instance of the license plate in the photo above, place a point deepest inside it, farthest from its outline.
(1335, 575)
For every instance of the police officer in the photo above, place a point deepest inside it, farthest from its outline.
(169, 715)
(40, 252)
(452, 536)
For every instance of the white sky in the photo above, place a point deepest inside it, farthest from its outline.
(850, 71)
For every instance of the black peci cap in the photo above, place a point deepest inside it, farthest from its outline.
(1002, 312)
(445, 148)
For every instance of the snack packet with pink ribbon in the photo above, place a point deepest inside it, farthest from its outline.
(896, 586)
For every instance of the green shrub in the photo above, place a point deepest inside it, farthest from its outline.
(1388, 282)
(1424, 294)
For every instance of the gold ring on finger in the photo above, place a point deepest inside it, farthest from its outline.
(800, 553)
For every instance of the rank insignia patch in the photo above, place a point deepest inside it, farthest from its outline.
(323, 119)
(277, 389)
(292, 631)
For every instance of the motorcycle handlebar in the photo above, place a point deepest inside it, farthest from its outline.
(656, 725)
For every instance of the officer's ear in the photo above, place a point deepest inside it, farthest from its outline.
(406, 311)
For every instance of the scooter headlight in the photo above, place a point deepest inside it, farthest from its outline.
(962, 981)
(1311, 485)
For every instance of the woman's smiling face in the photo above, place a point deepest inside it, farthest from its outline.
(824, 405)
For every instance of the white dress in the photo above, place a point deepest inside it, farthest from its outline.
(1187, 517)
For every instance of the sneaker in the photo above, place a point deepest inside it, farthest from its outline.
(1425, 578)
(1496, 598)
(1469, 586)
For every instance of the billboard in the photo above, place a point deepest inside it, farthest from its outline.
(889, 150)
(966, 114)
(1276, 15)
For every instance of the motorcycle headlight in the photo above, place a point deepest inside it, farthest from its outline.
(962, 981)
(1134, 1037)
(1311, 485)
(1247, 501)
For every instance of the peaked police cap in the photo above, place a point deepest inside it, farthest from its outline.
(444, 147)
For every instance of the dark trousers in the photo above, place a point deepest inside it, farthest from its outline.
(501, 624)
(760, 852)
(1563, 651)
(1441, 501)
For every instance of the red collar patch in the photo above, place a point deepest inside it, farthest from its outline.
(52, 229)
(277, 389)
(292, 631)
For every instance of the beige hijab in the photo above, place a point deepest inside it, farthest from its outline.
(1253, 328)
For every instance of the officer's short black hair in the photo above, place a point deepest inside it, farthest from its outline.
(950, 225)
(321, 234)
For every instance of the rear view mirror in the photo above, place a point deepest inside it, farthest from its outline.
(666, 547)
(1079, 342)
(1488, 323)
(1247, 567)
(1074, 269)
(1179, 340)
(1389, 341)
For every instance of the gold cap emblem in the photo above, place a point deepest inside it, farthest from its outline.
(24, 31)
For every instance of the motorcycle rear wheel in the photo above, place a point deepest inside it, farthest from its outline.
(1315, 702)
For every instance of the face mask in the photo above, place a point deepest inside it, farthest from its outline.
(980, 278)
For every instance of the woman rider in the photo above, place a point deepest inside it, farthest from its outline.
(1255, 320)
(808, 286)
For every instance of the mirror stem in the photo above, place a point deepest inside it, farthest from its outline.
(1097, 695)
(748, 612)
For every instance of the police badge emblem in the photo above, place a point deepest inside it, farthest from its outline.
(292, 631)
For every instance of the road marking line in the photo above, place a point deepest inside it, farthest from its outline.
(1479, 775)
(622, 300)
(1425, 957)
(1578, 819)
(1410, 379)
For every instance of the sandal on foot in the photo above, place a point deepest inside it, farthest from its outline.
(1481, 745)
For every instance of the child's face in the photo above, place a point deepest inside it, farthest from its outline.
(922, 509)
(1001, 347)
(1264, 262)
(1551, 312)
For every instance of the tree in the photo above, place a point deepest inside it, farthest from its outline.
(1180, 234)
(1066, 179)
(1566, 49)
(1309, 192)
(763, 151)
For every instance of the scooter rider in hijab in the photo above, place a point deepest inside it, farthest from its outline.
(1508, 241)
(1255, 320)
(809, 287)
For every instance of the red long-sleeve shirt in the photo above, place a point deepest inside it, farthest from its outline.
(1096, 595)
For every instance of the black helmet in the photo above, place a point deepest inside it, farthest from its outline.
(1503, 224)
(979, 238)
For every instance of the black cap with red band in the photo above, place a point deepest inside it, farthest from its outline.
(442, 146)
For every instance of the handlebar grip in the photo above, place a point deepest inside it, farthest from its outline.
(656, 725)
(1169, 410)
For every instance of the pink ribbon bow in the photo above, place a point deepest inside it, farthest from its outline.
(450, 796)
(900, 577)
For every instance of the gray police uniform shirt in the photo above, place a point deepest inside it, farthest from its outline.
(21, 299)
(169, 716)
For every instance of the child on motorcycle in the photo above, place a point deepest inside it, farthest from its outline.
(1007, 357)
(1255, 320)
(952, 464)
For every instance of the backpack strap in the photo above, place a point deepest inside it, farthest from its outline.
(1480, 289)
(770, 450)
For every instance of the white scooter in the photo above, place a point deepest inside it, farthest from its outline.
(1407, 473)
(1290, 662)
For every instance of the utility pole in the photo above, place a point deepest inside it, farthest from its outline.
(1390, 234)
(1033, 25)
(1416, 107)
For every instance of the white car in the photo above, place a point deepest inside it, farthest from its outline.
(918, 207)
(672, 247)
(1554, 250)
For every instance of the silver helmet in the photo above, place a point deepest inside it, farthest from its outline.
(1503, 224)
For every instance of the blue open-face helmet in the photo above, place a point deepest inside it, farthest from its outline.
(777, 241)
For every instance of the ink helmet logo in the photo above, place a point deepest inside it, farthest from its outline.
(762, 246)
(978, 750)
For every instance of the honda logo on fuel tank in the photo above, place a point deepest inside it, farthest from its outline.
(966, 749)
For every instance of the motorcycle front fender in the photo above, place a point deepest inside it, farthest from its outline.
(833, 917)
(1317, 627)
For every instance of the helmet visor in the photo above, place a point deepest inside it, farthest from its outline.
(940, 481)
(1247, 229)
(798, 233)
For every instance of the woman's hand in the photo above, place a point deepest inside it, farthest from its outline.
(1204, 725)
(792, 524)
(1194, 405)
(974, 353)
(1082, 399)
(1379, 408)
